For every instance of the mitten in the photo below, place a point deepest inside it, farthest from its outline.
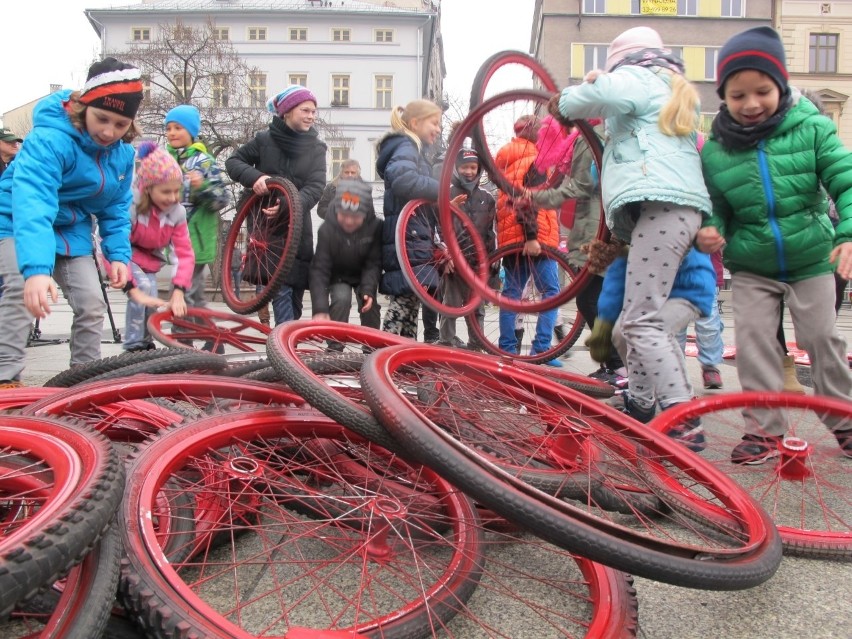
(600, 342)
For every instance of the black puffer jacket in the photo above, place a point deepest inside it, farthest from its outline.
(353, 258)
(408, 176)
(298, 157)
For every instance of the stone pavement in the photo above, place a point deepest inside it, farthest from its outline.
(806, 598)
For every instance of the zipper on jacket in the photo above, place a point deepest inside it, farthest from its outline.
(64, 241)
(763, 163)
(101, 171)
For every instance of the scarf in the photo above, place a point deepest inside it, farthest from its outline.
(292, 143)
(733, 136)
(652, 58)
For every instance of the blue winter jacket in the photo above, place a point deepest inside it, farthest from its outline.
(695, 282)
(408, 176)
(640, 162)
(59, 179)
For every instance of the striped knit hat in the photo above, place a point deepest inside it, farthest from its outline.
(113, 86)
(289, 99)
(759, 49)
(155, 166)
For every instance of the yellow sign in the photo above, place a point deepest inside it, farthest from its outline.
(658, 7)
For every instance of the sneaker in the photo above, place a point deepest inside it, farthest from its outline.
(712, 378)
(754, 450)
(690, 434)
(457, 343)
(844, 439)
(430, 340)
(634, 410)
(609, 376)
(10, 383)
(559, 332)
(208, 346)
(555, 363)
(519, 336)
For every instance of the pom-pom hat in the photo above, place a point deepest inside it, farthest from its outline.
(113, 86)
(155, 166)
(632, 41)
(351, 196)
(289, 99)
(187, 116)
(759, 49)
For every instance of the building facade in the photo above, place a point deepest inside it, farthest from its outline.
(570, 37)
(360, 59)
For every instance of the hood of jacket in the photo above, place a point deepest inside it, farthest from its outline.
(385, 149)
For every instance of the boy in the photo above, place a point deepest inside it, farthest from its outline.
(769, 156)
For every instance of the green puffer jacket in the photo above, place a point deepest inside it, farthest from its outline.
(768, 201)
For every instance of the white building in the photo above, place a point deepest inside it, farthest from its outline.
(359, 58)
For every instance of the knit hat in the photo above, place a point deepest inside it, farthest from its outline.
(155, 166)
(467, 155)
(526, 126)
(187, 116)
(113, 86)
(759, 49)
(350, 197)
(631, 41)
(289, 98)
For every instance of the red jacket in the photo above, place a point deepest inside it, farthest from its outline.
(153, 232)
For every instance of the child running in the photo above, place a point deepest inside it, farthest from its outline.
(77, 163)
(768, 164)
(157, 220)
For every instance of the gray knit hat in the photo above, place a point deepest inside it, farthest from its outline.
(351, 196)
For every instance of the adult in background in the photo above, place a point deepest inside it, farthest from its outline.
(9, 145)
(289, 148)
(349, 170)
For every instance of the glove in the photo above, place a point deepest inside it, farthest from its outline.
(600, 341)
(553, 109)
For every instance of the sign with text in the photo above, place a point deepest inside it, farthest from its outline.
(658, 7)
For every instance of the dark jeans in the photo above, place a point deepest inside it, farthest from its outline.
(429, 318)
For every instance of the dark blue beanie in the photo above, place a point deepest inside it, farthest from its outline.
(759, 49)
(187, 116)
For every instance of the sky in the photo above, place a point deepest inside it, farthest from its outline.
(66, 43)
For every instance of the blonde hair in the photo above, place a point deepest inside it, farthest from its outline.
(415, 110)
(144, 205)
(679, 116)
(77, 114)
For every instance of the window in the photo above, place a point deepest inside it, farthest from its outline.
(257, 33)
(340, 90)
(140, 34)
(594, 57)
(822, 53)
(298, 34)
(384, 91)
(687, 7)
(384, 35)
(676, 52)
(183, 85)
(732, 8)
(257, 89)
(221, 33)
(341, 35)
(182, 32)
(219, 90)
(711, 59)
(594, 6)
(299, 78)
(339, 154)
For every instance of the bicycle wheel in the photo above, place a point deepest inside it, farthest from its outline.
(268, 245)
(425, 262)
(489, 78)
(804, 485)
(585, 438)
(216, 330)
(291, 575)
(84, 372)
(46, 533)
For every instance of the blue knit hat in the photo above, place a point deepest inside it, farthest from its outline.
(187, 116)
(289, 99)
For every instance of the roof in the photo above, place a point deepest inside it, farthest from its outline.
(242, 6)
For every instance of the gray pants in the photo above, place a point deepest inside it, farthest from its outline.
(14, 317)
(340, 305)
(455, 294)
(195, 295)
(136, 333)
(80, 282)
(757, 311)
(662, 235)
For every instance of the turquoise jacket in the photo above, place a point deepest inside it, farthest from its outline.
(769, 203)
(60, 179)
(640, 162)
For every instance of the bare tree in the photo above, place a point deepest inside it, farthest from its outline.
(191, 65)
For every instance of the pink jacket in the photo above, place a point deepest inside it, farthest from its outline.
(154, 231)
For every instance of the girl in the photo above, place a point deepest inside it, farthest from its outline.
(654, 198)
(291, 149)
(203, 193)
(157, 220)
(401, 163)
(77, 163)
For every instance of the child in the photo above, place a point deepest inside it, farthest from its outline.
(348, 257)
(771, 215)
(349, 170)
(291, 149)
(204, 193)
(654, 198)
(402, 165)
(480, 207)
(533, 228)
(157, 220)
(77, 163)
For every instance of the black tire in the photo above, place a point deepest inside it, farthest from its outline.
(47, 551)
(181, 361)
(85, 372)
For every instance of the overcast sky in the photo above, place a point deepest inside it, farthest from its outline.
(60, 49)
